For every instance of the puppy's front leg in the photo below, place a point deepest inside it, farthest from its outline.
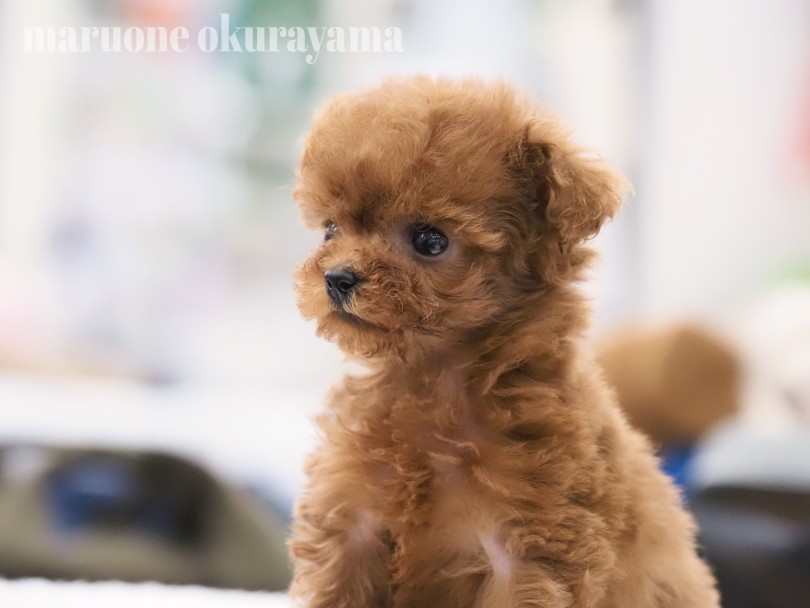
(525, 586)
(339, 552)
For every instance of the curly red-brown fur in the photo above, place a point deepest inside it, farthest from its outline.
(480, 461)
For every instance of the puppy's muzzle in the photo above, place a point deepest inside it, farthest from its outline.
(340, 282)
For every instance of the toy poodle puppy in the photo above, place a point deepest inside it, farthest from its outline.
(479, 461)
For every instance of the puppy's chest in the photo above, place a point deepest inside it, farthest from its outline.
(426, 466)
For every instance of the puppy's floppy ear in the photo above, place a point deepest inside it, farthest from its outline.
(574, 191)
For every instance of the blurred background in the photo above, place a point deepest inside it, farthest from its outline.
(156, 382)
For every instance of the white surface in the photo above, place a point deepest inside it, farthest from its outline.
(258, 434)
(773, 338)
(737, 454)
(47, 594)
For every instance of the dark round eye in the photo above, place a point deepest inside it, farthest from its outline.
(428, 241)
(330, 230)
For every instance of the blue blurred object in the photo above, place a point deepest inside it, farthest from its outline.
(101, 492)
(87, 493)
(675, 462)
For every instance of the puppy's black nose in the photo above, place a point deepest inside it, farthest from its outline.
(339, 284)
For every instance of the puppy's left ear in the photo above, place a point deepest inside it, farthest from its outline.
(574, 191)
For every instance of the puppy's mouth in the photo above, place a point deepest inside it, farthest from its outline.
(349, 317)
(355, 321)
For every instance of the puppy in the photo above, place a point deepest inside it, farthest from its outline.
(480, 461)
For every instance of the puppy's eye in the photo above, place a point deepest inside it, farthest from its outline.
(428, 241)
(330, 230)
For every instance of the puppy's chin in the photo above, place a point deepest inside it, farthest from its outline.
(354, 335)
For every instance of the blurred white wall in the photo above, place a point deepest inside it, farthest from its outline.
(34, 100)
(189, 241)
(720, 212)
(33, 86)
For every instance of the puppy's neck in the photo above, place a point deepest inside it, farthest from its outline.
(537, 338)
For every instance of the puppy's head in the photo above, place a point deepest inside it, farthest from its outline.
(446, 207)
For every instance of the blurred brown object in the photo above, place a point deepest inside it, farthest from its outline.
(673, 383)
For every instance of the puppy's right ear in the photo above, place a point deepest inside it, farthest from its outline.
(574, 191)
